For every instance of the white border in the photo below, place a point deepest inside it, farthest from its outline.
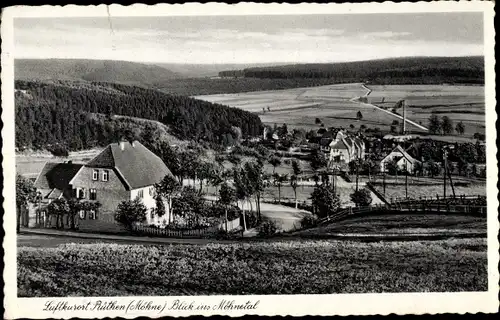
(297, 305)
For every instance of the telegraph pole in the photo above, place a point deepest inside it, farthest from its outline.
(406, 180)
(444, 173)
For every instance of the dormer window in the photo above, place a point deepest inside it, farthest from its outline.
(105, 175)
(95, 175)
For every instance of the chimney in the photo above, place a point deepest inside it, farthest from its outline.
(133, 143)
(122, 145)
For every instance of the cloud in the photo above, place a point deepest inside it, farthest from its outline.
(384, 35)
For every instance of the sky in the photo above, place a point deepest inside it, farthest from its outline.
(251, 39)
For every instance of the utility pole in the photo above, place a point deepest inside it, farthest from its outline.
(404, 116)
(357, 174)
(406, 180)
(444, 173)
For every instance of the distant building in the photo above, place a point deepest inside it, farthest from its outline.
(344, 148)
(122, 171)
(403, 160)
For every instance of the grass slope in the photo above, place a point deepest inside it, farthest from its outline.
(294, 267)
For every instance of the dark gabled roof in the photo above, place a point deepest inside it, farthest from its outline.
(57, 175)
(339, 144)
(136, 164)
(325, 141)
(329, 135)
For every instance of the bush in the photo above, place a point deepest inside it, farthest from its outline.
(268, 228)
(59, 151)
(309, 221)
(362, 197)
(251, 218)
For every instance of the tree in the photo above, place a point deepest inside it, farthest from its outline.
(318, 160)
(446, 125)
(59, 208)
(227, 196)
(279, 179)
(275, 162)
(25, 193)
(418, 168)
(352, 126)
(434, 124)
(391, 167)
(205, 172)
(362, 197)
(317, 121)
(234, 159)
(168, 187)
(460, 128)
(462, 166)
(359, 116)
(243, 191)
(324, 201)
(257, 179)
(434, 168)
(130, 212)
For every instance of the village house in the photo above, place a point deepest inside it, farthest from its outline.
(122, 171)
(401, 158)
(344, 148)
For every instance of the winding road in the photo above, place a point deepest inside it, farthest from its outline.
(356, 99)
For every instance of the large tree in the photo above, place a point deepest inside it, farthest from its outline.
(324, 201)
(275, 162)
(130, 212)
(446, 125)
(362, 197)
(434, 124)
(25, 193)
(318, 160)
(168, 187)
(59, 208)
(227, 195)
(460, 128)
(279, 179)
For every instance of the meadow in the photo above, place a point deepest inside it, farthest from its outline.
(280, 267)
(299, 107)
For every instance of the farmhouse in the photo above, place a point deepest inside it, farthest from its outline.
(344, 149)
(122, 171)
(401, 158)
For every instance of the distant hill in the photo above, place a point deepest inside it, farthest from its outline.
(412, 70)
(208, 70)
(83, 115)
(91, 70)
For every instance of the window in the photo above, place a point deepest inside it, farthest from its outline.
(105, 175)
(95, 175)
(140, 193)
(93, 194)
(151, 191)
(81, 214)
(92, 215)
(81, 193)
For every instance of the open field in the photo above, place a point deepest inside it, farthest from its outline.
(404, 224)
(459, 103)
(289, 267)
(300, 107)
(417, 191)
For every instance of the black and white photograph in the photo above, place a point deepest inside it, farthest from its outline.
(244, 155)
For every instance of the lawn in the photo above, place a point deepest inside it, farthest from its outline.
(280, 267)
(417, 191)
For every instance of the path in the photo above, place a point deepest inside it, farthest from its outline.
(287, 218)
(355, 99)
(341, 183)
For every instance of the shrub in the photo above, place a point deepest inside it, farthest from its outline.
(251, 218)
(268, 228)
(309, 221)
(130, 212)
(362, 197)
(59, 151)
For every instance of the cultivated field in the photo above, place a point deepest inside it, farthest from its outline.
(459, 103)
(281, 267)
(300, 107)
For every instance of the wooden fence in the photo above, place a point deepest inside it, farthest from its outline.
(193, 233)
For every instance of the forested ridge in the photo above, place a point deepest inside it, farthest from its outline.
(418, 70)
(64, 113)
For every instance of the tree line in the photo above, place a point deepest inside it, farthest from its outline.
(48, 113)
(402, 70)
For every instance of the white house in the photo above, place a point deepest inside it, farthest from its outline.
(344, 149)
(403, 160)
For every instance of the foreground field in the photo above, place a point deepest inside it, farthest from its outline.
(300, 107)
(293, 267)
